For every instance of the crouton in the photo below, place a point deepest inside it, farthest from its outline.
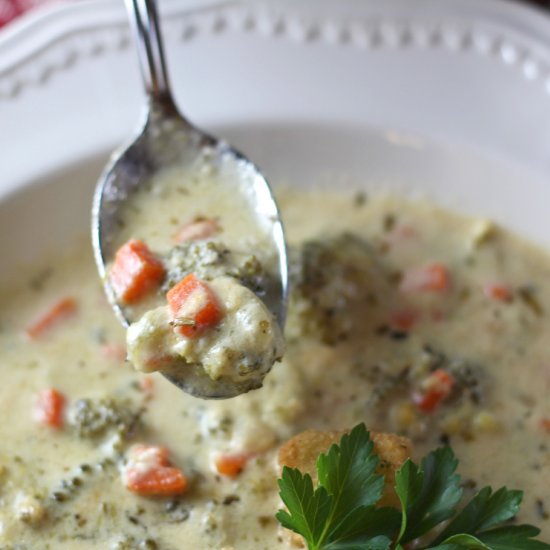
(302, 451)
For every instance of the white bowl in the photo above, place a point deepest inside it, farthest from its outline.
(449, 98)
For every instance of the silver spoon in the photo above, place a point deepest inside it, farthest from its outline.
(167, 138)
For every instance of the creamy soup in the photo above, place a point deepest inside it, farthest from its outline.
(407, 317)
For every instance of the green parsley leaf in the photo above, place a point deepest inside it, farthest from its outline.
(347, 473)
(336, 515)
(309, 509)
(366, 527)
(512, 537)
(429, 494)
(341, 513)
(474, 526)
(484, 511)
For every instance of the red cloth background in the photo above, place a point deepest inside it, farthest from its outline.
(10, 9)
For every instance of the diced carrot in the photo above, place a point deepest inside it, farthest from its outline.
(150, 455)
(403, 319)
(231, 465)
(435, 389)
(135, 272)
(149, 473)
(147, 386)
(162, 481)
(158, 361)
(405, 231)
(437, 315)
(194, 306)
(198, 229)
(62, 309)
(431, 278)
(399, 234)
(49, 408)
(114, 352)
(428, 402)
(545, 424)
(498, 291)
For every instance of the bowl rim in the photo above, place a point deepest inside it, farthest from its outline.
(37, 31)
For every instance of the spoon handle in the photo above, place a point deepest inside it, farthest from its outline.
(144, 21)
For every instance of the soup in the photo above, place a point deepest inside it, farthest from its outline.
(391, 298)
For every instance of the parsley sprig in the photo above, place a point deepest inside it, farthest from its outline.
(341, 512)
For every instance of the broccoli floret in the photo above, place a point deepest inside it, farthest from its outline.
(94, 418)
(333, 281)
(211, 259)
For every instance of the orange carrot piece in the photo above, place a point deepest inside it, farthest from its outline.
(436, 388)
(135, 272)
(49, 408)
(147, 386)
(545, 424)
(62, 309)
(403, 319)
(400, 234)
(231, 465)
(149, 473)
(498, 291)
(160, 481)
(194, 306)
(431, 278)
(114, 352)
(151, 455)
(437, 315)
(197, 230)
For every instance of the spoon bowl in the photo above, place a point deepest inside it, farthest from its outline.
(167, 139)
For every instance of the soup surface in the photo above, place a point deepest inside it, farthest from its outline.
(391, 299)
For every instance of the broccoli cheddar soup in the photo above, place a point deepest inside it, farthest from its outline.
(416, 321)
